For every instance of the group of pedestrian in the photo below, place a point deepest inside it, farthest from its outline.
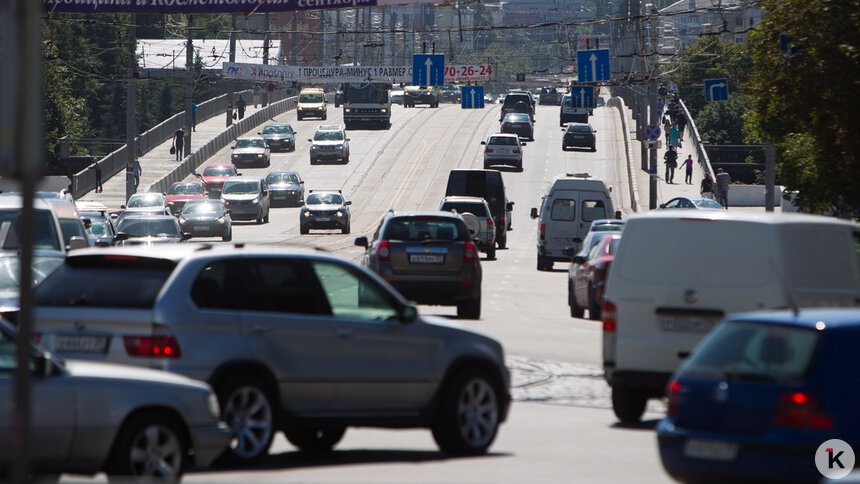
(671, 160)
(721, 188)
(674, 122)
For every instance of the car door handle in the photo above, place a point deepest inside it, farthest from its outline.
(345, 333)
(260, 328)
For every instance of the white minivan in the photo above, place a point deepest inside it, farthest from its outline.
(573, 201)
(675, 275)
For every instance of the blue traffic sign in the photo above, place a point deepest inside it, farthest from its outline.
(593, 65)
(428, 69)
(652, 131)
(582, 96)
(716, 90)
(472, 97)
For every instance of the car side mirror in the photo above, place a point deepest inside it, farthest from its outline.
(578, 240)
(348, 139)
(595, 131)
(238, 174)
(228, 211)
(483, 142)
(618, 214)
(310, 140)
(102, 243)
(662, 205)
(362, 242)
(233, 147)
(77, 242)
(122, 207)
(300, 202)
(120, 236)
(578, 259)
(408, 313)
(186, 236)
(43, 365)
(563, 129)
(261, 134)
(87, 222)
(348, 202)
(302, 182)
(534, 213)
(198, 175)
(509, 206)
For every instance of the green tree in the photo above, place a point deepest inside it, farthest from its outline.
(807, 103)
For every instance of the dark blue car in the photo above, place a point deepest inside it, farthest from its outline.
(760, 394)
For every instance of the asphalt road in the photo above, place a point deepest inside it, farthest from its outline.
(561, 427)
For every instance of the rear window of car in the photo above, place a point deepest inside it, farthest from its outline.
(426, 228)
(755, 351)
(578, 128)
(563, 210)
(517, 117)
(503, 141)
(477, 209)
(109, 280)
(511, 100)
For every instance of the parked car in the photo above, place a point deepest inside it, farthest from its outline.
(286, 187)
(149, 230)
(252, 151)
(325, 210)
(429, 257)
(760, 394)
(293, 340)
(589, 277)
(279, 136)
(247, 197)
(580, 135)
(487, 184)
(329, 143)
(503, 149)
(179, 193)
(518, 124)
(206, 218)
(215, 175)
(89, 417)
(692, 202)
(478, 218)
(663, 296)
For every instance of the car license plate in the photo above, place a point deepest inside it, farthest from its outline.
(201, 227)
(517, 125)
(323, 219)
(426, 258)
(278, 195)
(73, 343)
(711, 450)
(687, 324)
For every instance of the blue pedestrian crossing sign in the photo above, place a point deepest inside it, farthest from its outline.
(582, 96)
(593, 65)
(716, 90)
(472, 97)
(428, 69)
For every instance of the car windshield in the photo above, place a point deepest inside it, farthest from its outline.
(367, 93)
(145, 201)
(607, 228)
(276, 178)
(148, 227)
(10, 270)
(218, 171)
(204, 208)
(311, 98)
(328, 136)
(278, 129)
(324, 198)
(477, 209)
(425, 228)
(707, 203)
(185, 189)
(46, 231)
(250, 143)
(503, 140)
(98, 228)
(754, 351)
(241, 187)
(517, 118)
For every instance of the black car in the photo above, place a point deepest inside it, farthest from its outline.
(509, 105)
(324, 210)
(450, 94)
(519, 124)
(279, 136)
(206, 218)
(338, 98)
(580, 135)
(286, 187)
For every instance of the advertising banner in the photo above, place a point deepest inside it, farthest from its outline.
(468, 73)
(210, 6)
(317, 74)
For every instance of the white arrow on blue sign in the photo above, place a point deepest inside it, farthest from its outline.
(716, 90)
(428, 69)
(472, 97)
(582, 96)
(593, 65)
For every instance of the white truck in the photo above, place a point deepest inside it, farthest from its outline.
(366, 102)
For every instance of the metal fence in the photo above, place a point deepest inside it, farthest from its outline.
(618, 103)
(696, 139)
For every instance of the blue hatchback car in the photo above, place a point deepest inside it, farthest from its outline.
(760, 394)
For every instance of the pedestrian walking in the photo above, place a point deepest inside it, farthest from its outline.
(707, 187)
(688, 166)
(723, 180)
(98, 171)
(682, 124)
(136, 172)
(674, 140)
(667, 127)
(193, 117)
(178, 142)
(241, 105)
(257, 91)
(671, 157)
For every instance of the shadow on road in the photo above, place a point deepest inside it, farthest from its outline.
(643, 425)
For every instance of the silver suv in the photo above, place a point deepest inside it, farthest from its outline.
(292, 340)
(476, 213)
(329, 143)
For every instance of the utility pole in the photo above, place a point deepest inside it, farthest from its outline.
(337, 35)
(231, 83)
(265, 96)
(293, 28)
(652, 98)
(189, 89)
(769, 176)
(131, 101)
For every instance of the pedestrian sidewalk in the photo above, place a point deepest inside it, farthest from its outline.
(155, 163)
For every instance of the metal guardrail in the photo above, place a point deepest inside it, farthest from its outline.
(696, 139)
(198, 157)
(618, 103)
(85, 180)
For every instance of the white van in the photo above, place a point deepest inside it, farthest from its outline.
(569, 113)
(567, 210)
(675, 275)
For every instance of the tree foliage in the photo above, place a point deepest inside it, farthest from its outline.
(807, 102)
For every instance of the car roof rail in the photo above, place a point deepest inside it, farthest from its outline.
(579, 175)
(204, 247)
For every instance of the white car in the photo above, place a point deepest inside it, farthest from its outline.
(476, 213)
(396, 96)
(503, 149)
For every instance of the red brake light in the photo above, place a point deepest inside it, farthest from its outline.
(516, 151)
(506, 125)
(152, 346)
(542, 231)
(383, 251)
(609, 316)
(489, 222)
(488, 150)
(672, 391)
(470, 253)
(37, 337)
(801, 410)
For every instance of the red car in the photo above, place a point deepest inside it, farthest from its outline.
(589, 280)
(181, 192)
(214, 175)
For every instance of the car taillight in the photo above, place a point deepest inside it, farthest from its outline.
(801, 410)
(516, 151)
(542, 231)
(488, 150)
(673, 389)
(37, 337)
(506, 125)
(470, 253)
(591, 137)
(152, 346)
(609, 316)
(383, 251)
(489, 223)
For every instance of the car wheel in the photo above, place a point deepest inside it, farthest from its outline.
(228, 236)
(312, 440)
(313, 161)
(260, 217)
(491, 252)
(593, 149)
(246, 407)
(520, 166)
(303, 229)
(628, 404)
(576, 311)
(543, 263)
(266, 218)
(468, 416)
(299, 117)
(345, 229)
(593, 307)
(502, 242)
(324, 116)
(152, 445)
(470, 309)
